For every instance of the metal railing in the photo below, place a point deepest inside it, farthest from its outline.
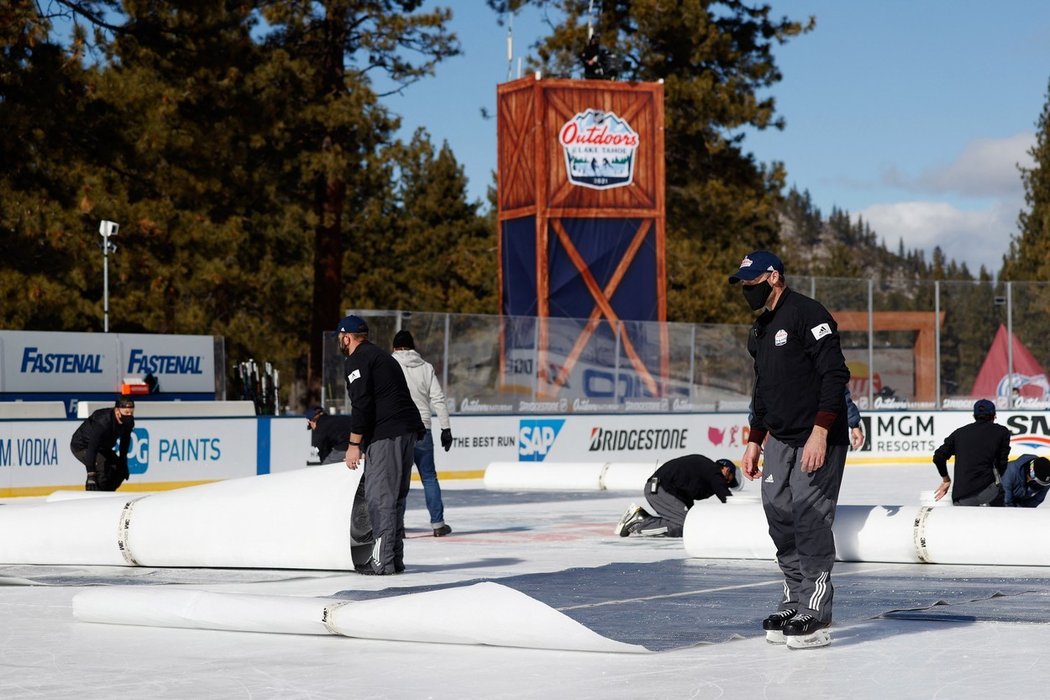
(909, 344)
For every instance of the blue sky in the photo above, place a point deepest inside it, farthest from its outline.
(913, 114)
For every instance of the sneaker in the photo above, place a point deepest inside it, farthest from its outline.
(774, 625)
(442, 531)
(632, 516)
(806, 632)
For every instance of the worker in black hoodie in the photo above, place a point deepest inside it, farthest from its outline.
(92, 444)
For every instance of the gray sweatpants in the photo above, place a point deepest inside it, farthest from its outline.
(670, 513)
(800, 511)
(388, 473)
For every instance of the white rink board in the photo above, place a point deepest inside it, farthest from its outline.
(36, 454)
(892, 436)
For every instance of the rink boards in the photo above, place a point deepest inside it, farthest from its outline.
(167, 453)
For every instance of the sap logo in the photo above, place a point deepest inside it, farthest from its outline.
(138, 451)
(536, 437)
(60, 363)
(141, 363)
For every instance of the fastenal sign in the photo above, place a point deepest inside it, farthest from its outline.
(45, 362)
(599, 150)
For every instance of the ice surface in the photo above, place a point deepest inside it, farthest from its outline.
(901, 630)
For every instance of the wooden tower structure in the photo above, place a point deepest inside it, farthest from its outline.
(581, 216)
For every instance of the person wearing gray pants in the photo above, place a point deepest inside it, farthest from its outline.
(385, 425)
(800, 416)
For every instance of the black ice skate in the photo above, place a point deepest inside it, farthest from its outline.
(774, 626)
(806, 632)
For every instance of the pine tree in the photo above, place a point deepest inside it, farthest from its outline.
(1029, 254)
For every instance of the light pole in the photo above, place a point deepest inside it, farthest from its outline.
(106, 229)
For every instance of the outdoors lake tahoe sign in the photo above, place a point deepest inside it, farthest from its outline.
(599, 149)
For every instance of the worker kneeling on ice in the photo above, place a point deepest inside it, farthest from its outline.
(671, 492)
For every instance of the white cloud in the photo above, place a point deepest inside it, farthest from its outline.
(979, 237)
(985, 168)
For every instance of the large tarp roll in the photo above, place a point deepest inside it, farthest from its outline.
(298, 519)
(986, 536)
(899, 534)
(292, 520)
(485, 613)
(82, 531)
(627, 476)
(555, 476)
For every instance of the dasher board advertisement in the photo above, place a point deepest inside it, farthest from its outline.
(35, 362)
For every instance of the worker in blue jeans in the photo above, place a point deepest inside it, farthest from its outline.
(426, 394)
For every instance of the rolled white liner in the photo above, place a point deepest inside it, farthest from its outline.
(876, 533)
(627, 476)
(298, 519)
(899, 534)
(569, 476)
(555, 476)
(992, 536)
(83, 531)
(485, 613)
(292, 520)
(154, 606)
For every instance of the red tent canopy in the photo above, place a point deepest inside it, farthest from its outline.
(1029, 377)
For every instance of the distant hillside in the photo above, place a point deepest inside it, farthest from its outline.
(838, 247)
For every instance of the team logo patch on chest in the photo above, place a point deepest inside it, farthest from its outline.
(780, 338)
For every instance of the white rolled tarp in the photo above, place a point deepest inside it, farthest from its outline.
(899, 534)
(629, 477)
(568, 476)
(82, 531)
(293, 520)
(550, 476)
(485, 613)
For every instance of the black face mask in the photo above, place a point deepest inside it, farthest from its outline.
(757, 294)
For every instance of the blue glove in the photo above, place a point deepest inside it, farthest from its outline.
(446, 438)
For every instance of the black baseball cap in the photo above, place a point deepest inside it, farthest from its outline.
(734, 473)
(312, 413)
(352, 324)
(983, 408)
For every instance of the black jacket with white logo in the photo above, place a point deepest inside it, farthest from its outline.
(800, 373)
(381, 405)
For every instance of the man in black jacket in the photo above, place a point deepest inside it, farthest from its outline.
(330, 434)
(385, 425)
(800, 424)
(92, 444)
(673, 489)
(981, 451)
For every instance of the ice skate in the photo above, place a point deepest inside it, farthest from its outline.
(774, 626)
(632, 516)
(806, 632)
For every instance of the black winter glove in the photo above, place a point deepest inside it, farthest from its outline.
(446, 438)
(91, 484)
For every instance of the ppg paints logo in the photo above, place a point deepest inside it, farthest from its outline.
(138, 451)
(536, 437)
